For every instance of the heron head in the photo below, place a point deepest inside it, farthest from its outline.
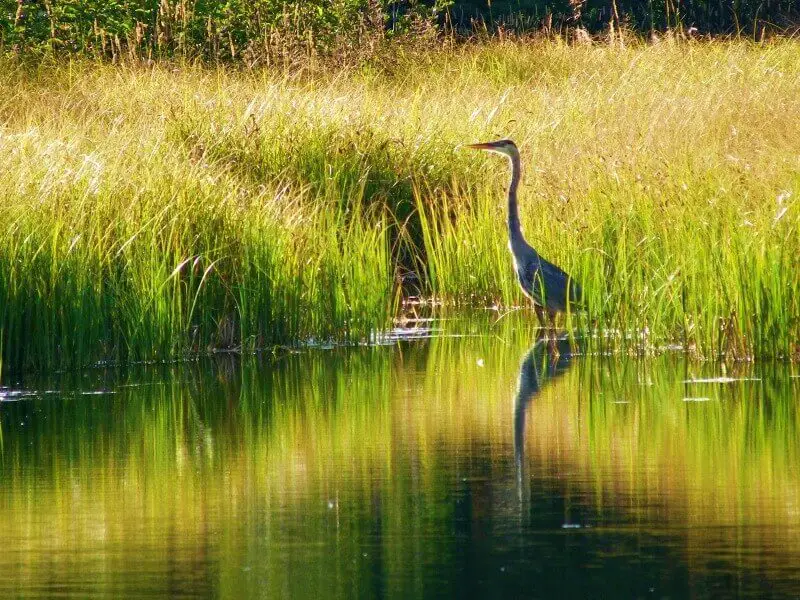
(504, 147)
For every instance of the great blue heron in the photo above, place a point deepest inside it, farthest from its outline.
(550, 288)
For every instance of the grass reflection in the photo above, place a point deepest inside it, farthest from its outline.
(353, 472)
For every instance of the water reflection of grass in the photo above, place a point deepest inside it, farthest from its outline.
(732, 458)
(304, 458)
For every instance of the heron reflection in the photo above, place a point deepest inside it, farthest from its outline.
(540, 365)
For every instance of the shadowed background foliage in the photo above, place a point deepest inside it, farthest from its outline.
(269, 30)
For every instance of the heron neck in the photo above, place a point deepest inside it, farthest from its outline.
(514, 229)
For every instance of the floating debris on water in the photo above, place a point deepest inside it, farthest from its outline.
(721, 379)
(7, 395)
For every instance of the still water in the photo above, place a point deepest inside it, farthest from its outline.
(471, 465)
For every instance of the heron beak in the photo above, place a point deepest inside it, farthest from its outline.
(484, 146)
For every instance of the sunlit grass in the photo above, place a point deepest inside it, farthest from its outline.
(664, 178)
(120, 244)
(161, 211)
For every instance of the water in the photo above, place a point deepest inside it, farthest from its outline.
(470, 466)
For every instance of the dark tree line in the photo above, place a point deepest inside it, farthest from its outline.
(707, 16)
(235, 28)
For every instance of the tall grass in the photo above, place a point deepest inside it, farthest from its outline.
(664, 178)
(163, 210)
(120, 245)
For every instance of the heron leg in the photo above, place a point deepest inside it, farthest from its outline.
(553, 336)
(542, 315)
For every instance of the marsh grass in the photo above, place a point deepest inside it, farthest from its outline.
(663, 178)
(124, 251)
(174, 209)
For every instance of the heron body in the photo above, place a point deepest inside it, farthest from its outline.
(547, 285)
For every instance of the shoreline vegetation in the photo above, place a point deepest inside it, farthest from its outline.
(271, 33)
(167, 208)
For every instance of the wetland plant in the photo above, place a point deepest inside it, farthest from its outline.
(170, 210)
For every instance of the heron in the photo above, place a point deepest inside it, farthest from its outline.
(549, 288)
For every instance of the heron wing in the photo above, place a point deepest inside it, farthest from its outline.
(547, 284)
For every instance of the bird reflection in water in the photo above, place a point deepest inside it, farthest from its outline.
(540, 365)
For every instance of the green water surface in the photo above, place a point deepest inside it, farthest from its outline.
(474, 465)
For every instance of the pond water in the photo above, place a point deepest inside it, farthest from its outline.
(470, 465)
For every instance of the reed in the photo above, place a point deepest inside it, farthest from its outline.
(162, 211)
(663, 178)
(120, 246)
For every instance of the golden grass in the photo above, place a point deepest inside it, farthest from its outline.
(664, 177)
